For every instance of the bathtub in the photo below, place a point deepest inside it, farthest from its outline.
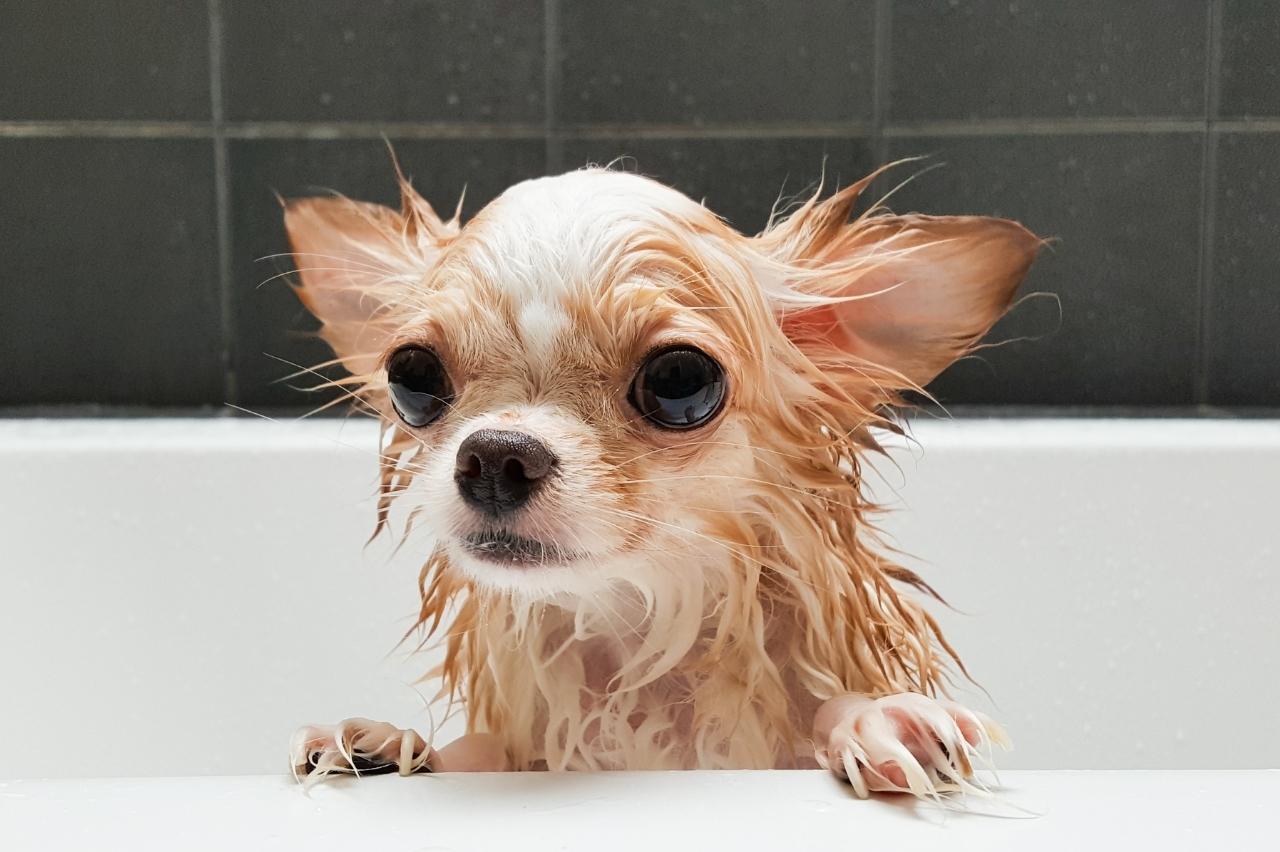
(177, 595)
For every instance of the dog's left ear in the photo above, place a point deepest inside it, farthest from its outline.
(909, 294)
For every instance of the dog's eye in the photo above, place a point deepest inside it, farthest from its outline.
(678, 388)
(420, 389)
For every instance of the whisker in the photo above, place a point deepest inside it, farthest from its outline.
(349, 262)
(354, 397)
(290, 421)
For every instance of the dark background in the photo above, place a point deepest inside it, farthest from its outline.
(141, 143)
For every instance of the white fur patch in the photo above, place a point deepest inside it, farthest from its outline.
(541, 324)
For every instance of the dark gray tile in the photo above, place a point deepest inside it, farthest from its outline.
(1124, 211)
(738, 178)
(379, 60)
(270, 323)
(108, 265)
(713, 62)
(1027, 59)
(1244, 306)
(1250, 59)
(63, 59)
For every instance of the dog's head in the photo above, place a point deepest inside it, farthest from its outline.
(596, 378)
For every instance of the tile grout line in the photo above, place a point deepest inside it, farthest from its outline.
(654, 131)
(1208, 202)
(74, 129)
(406, 130)
(881, 42)
(551, 86)
(1047, 127)
(222, 203)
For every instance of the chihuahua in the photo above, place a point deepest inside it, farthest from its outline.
(636, 437)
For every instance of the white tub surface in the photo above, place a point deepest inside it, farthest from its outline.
(176, 596)
(648, 812)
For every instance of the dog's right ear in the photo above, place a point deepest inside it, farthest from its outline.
(360, 266)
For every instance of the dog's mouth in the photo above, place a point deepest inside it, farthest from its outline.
(504, 547)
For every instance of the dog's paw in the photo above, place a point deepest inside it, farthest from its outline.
(910, 743)
(358, 747)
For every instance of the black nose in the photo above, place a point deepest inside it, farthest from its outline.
(499, 470)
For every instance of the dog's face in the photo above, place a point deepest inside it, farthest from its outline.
(597, 379)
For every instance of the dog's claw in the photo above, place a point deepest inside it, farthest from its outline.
(911, 743)
(358, 747)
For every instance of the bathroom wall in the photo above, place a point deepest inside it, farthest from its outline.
(142, 145)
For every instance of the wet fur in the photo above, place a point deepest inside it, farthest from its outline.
(732, 581)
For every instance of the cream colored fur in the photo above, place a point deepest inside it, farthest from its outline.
(719, 585)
